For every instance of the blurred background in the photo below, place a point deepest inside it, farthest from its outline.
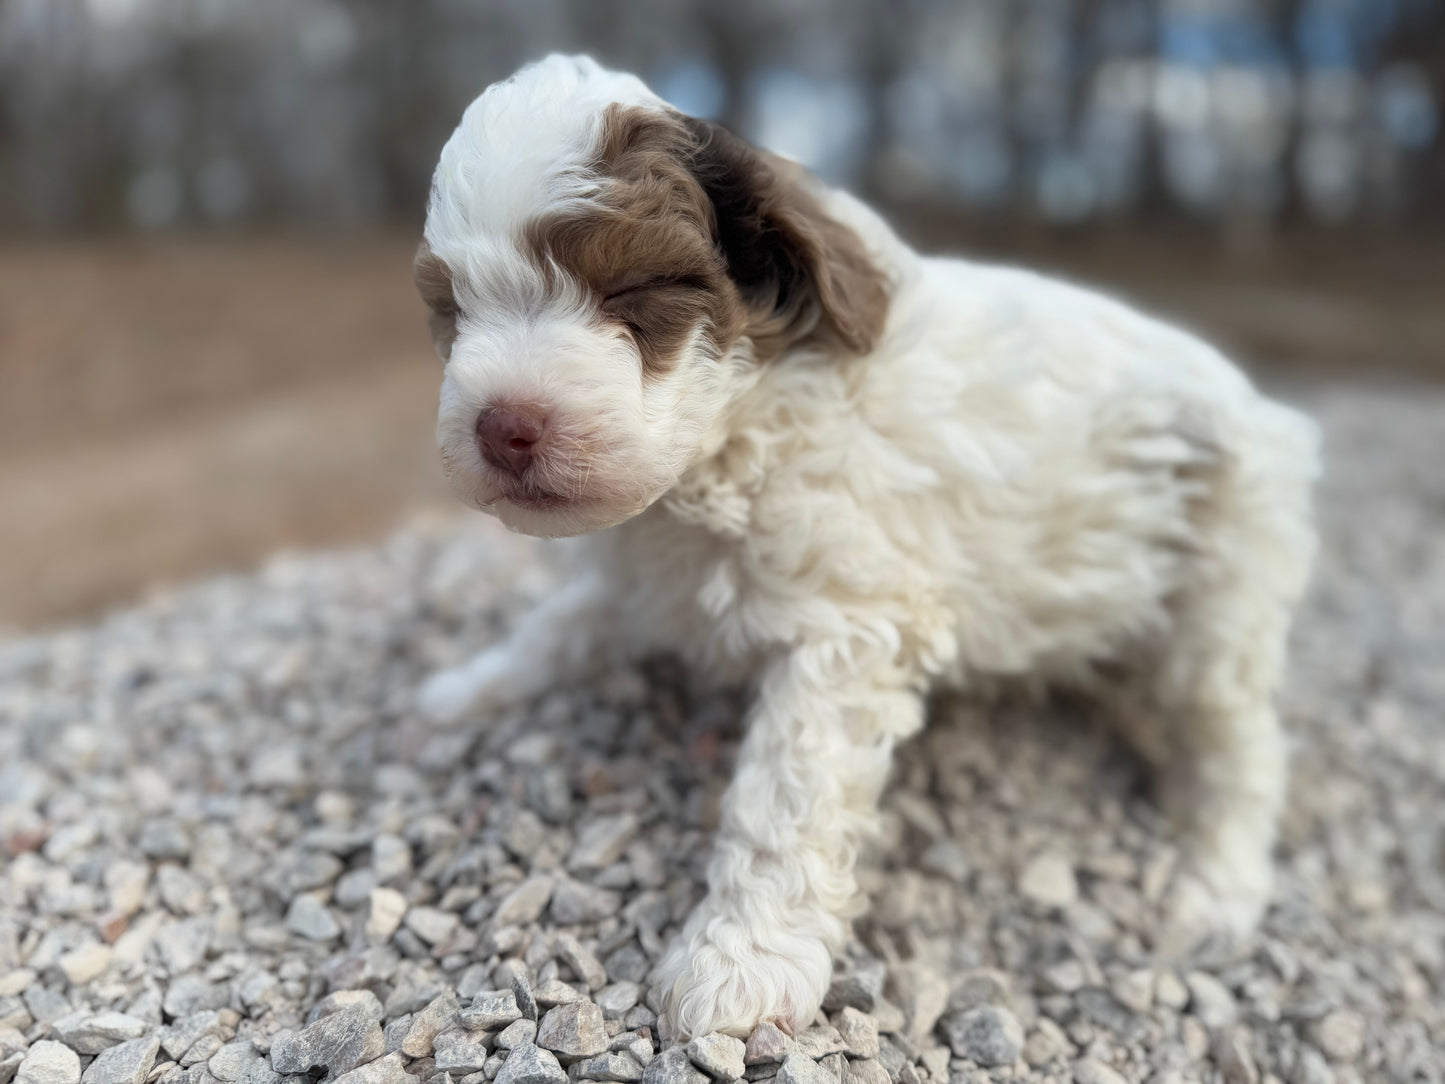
(209, 345)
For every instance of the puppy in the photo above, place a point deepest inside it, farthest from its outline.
(818, 460)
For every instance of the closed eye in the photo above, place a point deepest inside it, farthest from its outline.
(637, 290)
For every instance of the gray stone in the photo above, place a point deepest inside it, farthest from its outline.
(1310, 1067)
(395, 1032)
(935, 1059)
(386, 909)
(615, 1000)
(575, 903)
(573, 1031)
(923, 995)
(163, 839)
(891, 1058)
(189, 1030)
(518, 1033)
(1210, 1000)
(989, 987)
(556, 992)
(310, 918)
(523, 834)
(673, 1066)
(858, 1031)
(390, 858)
(947, 859)
(1048, 879)
(602, 841)
(365, 1000)
(801, 1069)
(201, 1050)
(583, 963)
(49, 1062)
(1093, 1071)
(385, 1070)
(460, 1050)
(1340, 1035)
(639, 1046)
(339, 1042)
(820, 1041)
(1134, 990)
(525, 903)
(313, 869)
(618, 1066)
(438, 1016)
(530, 1064)
(92, 1034)
(767, 1045)
(1169, 991)
(85, 963)
(719, 1056)
(865, 1071)
(430, 924)
(639, 1017)
(232, 1061)
(192, 994)
(492, 1010)
(522, 991)
(1230, 1051)
(1099, 1006)
(988, 1035)
(859, 984)
(353, 888)
(45, 1004)
(628, 964)
(124, 1063)
(183, 945)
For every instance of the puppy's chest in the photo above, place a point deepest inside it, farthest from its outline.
(991, 570)
(733, 564)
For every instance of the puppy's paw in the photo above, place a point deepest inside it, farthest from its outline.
(722, 974)
(1212, 906)
(449, 696)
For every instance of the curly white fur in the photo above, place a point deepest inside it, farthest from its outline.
(1023, 478)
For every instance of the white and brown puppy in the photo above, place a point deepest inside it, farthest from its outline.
(850, 473)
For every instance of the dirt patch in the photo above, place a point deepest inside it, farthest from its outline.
(175, 408)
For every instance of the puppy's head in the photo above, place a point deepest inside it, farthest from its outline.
(605, 276)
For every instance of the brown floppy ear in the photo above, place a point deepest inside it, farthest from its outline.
(433, 280)
(802, 273)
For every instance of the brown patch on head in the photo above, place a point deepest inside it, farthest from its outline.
(433, 280)
(697, 230)
(645, 248)
(803, 273)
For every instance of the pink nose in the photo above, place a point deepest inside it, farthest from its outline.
(509, 437)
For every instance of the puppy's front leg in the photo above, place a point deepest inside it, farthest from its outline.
(781, 885)
(554, 643)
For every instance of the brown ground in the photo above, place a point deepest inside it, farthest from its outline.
(174, 407)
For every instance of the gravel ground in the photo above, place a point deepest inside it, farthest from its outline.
(232, 854)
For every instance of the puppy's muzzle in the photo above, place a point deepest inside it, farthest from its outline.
(511, 438)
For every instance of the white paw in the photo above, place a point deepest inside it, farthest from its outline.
(723, 975)
(482, 684)
(447, 695)
(486, 683)
(1210, 905)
